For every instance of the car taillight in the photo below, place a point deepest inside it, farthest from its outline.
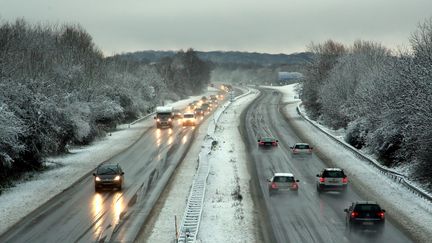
(381, 215)
(261, 143)
(321, 179)
(345, 180)
(294, 186)
(274, 144)
(294, 150)
(354, 214)
(274, 185)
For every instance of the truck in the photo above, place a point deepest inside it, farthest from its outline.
(164, 116)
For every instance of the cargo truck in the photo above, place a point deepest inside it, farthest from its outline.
(164, 117)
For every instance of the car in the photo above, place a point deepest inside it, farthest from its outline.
(199, 112)
(331, 179)
(267, 142)
(108, 175)
(301, 148)
(189, 119)
(282, 182)
(365, 215)
(206, 108)
(177, 114)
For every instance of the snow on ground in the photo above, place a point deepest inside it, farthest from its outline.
(27, 195)
(411, 211)
(228, 208)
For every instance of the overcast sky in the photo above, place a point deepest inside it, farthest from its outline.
(273, 26)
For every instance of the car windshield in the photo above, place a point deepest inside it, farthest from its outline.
(302, 146)
(334, 174)
(367, 208)
(267, 139)
(163, 115)
(107, 170)
(188, 115)
(283, 179)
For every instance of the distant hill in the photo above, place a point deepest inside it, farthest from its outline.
(221, 57)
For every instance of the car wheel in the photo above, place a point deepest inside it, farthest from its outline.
(319, 190)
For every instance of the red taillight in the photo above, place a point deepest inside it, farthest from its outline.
(294, 186)
(354, 214)
(294, 150)
(381, 215)
(274, 185)
(322, 179)
(345, 180)
(261, 143)
(274, 144)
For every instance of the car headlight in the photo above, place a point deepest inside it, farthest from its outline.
(97, 178)
(158, 120)
(117, 178)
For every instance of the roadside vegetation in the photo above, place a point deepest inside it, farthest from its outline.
(57, 89)
(381, 97)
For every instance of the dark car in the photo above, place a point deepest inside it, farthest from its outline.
(108, 175)
(267, 142)
(177, 114)
(365, 215)
(199, 112)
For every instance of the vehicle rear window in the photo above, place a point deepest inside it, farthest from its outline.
(283, 179)
(188, 115)
(302, 146)
(333, 174)
(367, 208)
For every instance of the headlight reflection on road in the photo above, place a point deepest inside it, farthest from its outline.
(118, 207)
(184, 139)
(158, 136)
(97, 207)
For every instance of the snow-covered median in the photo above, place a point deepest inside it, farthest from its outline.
(228, 208)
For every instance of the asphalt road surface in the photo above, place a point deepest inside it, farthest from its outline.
(308, 216)
(79, 214)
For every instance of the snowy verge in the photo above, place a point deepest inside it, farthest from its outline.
(396, 176)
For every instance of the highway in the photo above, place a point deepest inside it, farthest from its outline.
(79, 214)
(308, 216)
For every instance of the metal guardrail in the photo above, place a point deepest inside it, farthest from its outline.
(192, 216)
(392, 174)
